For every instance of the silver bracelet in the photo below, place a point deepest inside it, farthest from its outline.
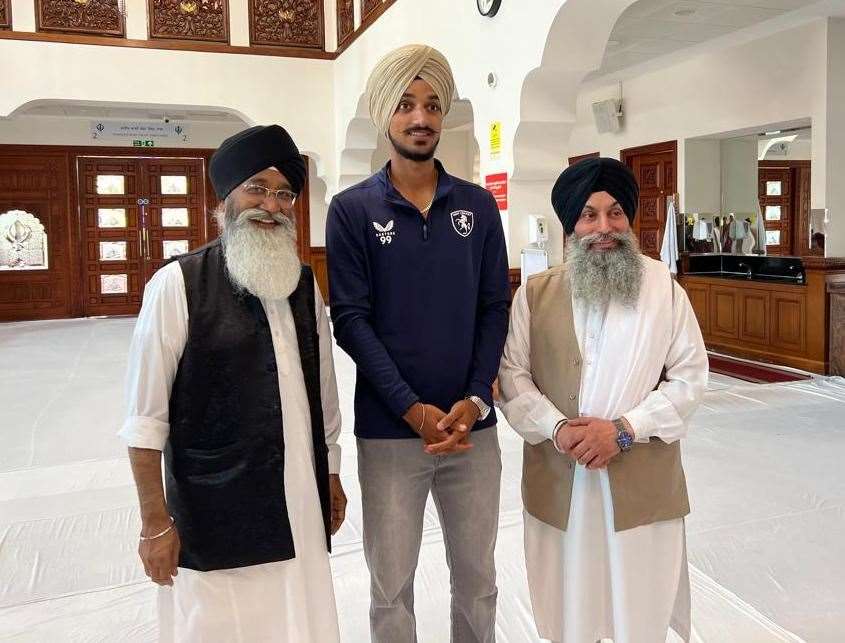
(419, 429)
(556, 430)
(159, 535)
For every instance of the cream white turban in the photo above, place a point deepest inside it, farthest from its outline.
(397, 70)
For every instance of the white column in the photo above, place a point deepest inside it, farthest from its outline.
(136, 19)
(835, 138)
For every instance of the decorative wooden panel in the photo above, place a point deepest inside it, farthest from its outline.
(654, 167)
(724, 312)
(514, 280)
(368, 6)
(5, 14)
(699, 298)
(101, 17)
(189, 19)
(754, 316)
(345, 20)
(37, 183)
(290, 23)
(789, 321)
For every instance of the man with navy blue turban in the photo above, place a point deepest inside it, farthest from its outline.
(231, 379)
(603, 364)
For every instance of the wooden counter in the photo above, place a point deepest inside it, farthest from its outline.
(786, 324)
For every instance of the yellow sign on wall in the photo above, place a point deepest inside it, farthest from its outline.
(495, 139)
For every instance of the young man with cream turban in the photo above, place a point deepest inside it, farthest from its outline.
(231, 377)
(419, 297)
(603, 364)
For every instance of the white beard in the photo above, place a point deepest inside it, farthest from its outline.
(263, 262)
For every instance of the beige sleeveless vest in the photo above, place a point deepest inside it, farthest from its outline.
(647, 483)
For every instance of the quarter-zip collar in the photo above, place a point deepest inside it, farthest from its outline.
(444, 185)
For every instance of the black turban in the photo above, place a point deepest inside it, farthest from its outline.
(251, 151)
(574, 187)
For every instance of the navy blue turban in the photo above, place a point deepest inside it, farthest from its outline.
(251, 151)
(577, 182)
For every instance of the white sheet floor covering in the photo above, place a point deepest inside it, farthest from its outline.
(766, 536)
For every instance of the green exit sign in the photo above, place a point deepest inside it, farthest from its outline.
(142, 143)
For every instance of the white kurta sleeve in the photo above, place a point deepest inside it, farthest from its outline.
(527, 410)
(664, 411)
(328, 384)
(161, 333)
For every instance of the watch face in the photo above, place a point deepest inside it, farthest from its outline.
(488, 8)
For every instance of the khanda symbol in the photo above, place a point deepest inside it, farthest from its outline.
(18, 234)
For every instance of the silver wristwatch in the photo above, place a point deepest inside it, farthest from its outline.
(483, 409)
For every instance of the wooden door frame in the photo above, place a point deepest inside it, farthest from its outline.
(799, 226)
(583, 157)
(654, 148)
(628, 154)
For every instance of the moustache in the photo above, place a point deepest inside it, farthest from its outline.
(621, 238)
(424, 130)
(257, 214)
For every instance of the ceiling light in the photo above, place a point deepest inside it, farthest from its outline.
(681, 13)
(772, 133)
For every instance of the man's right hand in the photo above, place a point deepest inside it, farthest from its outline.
(429, 432)
(161, 555)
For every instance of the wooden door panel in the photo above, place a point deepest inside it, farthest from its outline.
(788, 321)
(654, 168)
(699, 297)
(754, 310)
(36, 183)
(724, 312)
(111, 232)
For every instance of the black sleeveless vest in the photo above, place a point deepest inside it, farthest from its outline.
(225, 456)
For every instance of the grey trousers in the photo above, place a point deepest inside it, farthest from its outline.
(396, 477)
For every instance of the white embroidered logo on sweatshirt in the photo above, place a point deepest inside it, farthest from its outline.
(384, 233)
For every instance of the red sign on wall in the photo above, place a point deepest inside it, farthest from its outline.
(497, 184)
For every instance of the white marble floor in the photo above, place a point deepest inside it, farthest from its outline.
(763, 464)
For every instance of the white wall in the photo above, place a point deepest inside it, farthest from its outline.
(834, 140)
(56, 130)
(702, 187)
(724, 91)
(739, 175)
(297, 93)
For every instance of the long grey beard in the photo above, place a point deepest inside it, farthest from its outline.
(262, 262)
(599, 277)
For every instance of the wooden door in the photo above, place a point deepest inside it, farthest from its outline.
(655, 169)
(174, 219)
(776, 202)
(134, 213)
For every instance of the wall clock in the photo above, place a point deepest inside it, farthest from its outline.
(488, 8)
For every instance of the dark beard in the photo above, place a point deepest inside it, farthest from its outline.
(411, 154)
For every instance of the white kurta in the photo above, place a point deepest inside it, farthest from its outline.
(592, 582)
(290, 600)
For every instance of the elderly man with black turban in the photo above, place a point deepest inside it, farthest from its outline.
(419, 297)
(603, 364)
(231, 376)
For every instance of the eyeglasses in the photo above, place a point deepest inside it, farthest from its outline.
(285, 198)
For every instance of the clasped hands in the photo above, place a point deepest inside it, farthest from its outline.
(590, 441)
(443, 433)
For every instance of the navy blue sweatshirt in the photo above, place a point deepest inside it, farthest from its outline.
(420, 305)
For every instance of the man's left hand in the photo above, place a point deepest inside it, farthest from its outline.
(598, 445)
(338, 499)
(458, 423)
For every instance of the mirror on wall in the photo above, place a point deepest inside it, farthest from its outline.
(750, 194)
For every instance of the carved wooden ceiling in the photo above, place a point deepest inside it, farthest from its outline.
(189, 19)
(101, 17)
(289, 23)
